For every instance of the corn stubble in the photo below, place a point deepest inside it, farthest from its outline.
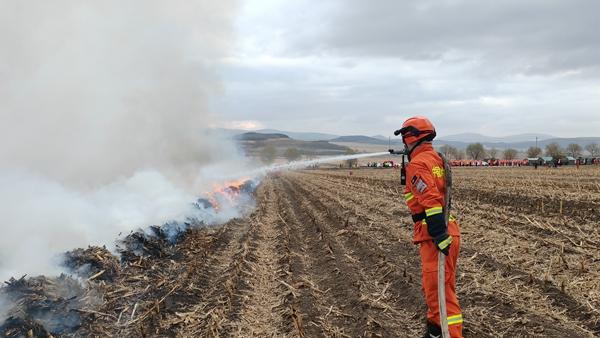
(326, 254)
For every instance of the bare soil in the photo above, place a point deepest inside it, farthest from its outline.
(329, 254)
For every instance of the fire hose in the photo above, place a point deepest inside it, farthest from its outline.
(441, 257)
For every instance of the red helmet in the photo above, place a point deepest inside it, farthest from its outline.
(415, 129)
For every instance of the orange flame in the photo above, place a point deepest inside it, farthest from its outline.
(228, 189)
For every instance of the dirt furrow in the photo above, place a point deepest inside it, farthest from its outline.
(262, 301)
(332, 272)
(386, 285)
(542, 292)
(475, 326)
(310, 308)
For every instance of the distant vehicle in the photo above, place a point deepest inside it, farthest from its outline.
(388, 164)
(384, 164)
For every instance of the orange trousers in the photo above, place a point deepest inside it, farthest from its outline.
(429, 265)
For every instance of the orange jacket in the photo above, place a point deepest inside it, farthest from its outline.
(425, 189)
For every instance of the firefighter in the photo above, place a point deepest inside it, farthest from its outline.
(438, 237)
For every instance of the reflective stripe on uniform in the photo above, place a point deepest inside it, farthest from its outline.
(456, 319)
(408, 196)
(433, 211)
(444, 244)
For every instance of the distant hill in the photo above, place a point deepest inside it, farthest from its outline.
(363, 139)
(253, 136)
(461, 141)
(234, 133)
(254, 142)
(302, 136)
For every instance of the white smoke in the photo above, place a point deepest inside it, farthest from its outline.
(102, 107)
(4, 308)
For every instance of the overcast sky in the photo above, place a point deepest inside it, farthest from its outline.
(362, 67)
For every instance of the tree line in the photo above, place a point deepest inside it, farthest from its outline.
(268, 154)
(476, 151)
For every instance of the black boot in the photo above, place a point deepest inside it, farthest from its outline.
(433, 331)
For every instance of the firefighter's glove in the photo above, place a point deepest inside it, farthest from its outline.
(442, 242)
(436, 226)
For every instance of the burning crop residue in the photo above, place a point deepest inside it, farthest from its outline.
(230, 192)
(93, 263)
(54, 306)
(225, 202)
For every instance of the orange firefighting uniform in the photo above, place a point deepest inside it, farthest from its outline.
(424, 195)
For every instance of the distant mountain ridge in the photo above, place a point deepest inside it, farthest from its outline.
(461, 141)
(254, 136)
(364, 139)
(302, 136)
(253, 143)
(475, 137)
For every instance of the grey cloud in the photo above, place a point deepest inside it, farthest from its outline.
(530, 37)
(498, 67)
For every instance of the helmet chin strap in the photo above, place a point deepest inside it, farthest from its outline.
(408, 152)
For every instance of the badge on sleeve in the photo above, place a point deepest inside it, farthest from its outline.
(420, 186)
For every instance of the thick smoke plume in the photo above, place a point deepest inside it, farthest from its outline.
(102, 107)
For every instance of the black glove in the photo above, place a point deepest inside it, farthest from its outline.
(436, 226)
(391, 151)
(442, 242)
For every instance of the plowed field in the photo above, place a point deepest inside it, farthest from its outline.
(329, 254)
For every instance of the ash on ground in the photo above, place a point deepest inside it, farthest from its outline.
(45, 307)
